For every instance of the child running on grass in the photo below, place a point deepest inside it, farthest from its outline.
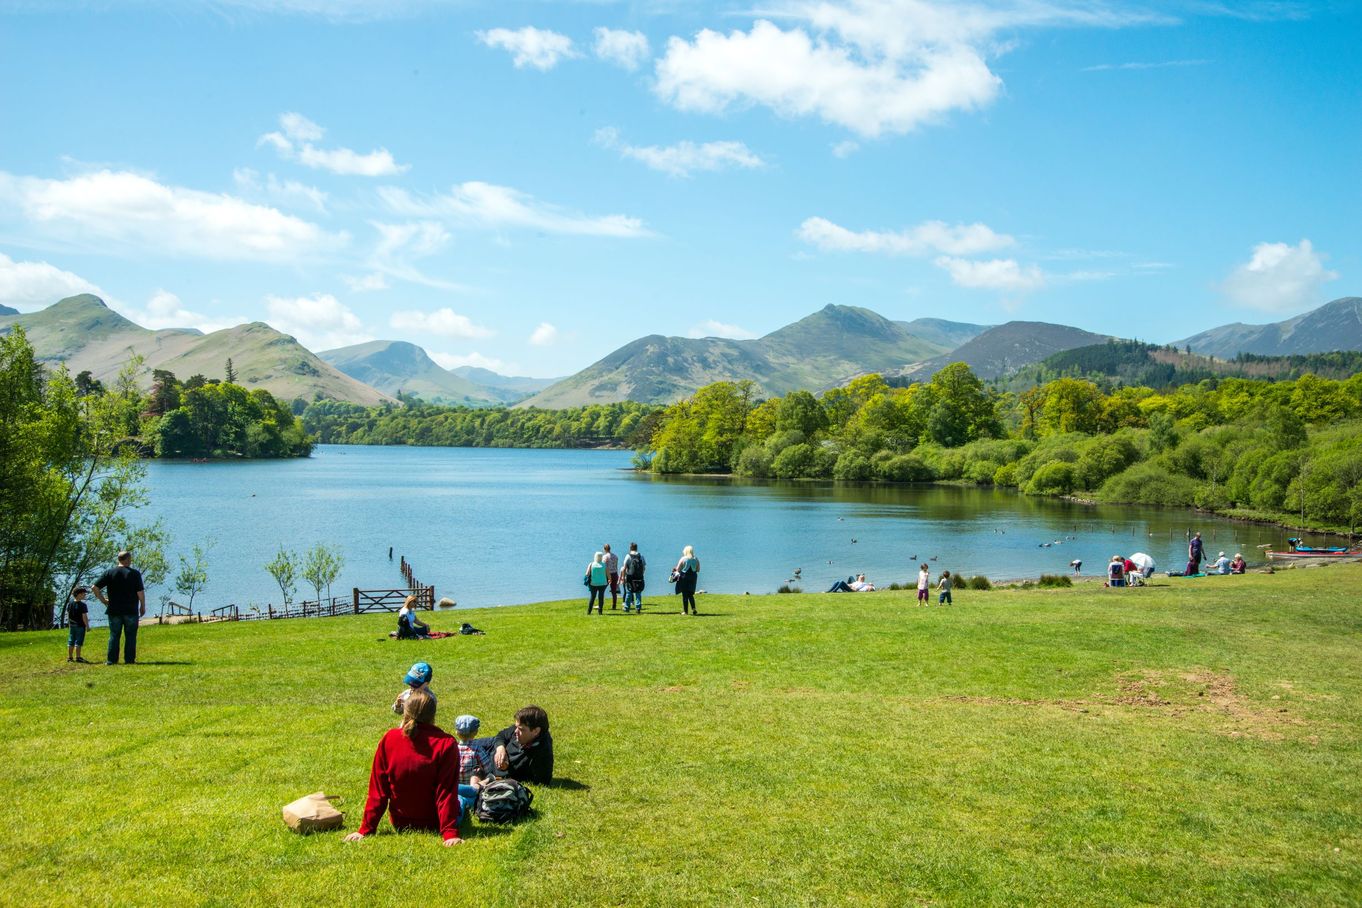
(944, 587)
(78, 619)
(417, 678)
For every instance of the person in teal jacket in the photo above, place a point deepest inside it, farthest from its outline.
(596, 580)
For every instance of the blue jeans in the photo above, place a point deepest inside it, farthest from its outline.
(468, 796)
(125, 625)
(631, 599)
(76, 637)
(944, 598)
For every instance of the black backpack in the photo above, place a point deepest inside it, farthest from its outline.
(503, 801)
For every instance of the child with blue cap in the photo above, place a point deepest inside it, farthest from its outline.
(474, 762)
(417, 678)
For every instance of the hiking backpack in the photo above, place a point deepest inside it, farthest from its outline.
(503, 801)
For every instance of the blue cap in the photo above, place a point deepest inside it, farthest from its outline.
(420, 673)
(467, 725)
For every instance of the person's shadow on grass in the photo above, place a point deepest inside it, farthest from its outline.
(567, 784)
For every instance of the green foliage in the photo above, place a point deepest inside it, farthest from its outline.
(979, 582)
(1052, 581)
(321, 566)
(1149, 483)
(284, 569)
(192, 576)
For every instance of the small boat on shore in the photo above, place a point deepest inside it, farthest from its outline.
(1299, 552)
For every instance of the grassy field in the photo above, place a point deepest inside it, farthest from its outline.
(1193, 743)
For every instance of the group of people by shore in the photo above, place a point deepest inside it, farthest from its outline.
(426, 779)
(605, 571)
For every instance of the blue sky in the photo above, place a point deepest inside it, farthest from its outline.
(527, 186)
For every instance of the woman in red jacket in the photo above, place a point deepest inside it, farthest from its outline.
(415, 776)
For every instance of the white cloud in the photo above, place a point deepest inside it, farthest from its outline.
(400, 245)
(365, 283)
(683, 158)
(488, 205)
(477, 360)
(105, 207)
(1279, 277)
(993, 274)
(530, 46)
(544, 335)
(319, 322)
(845, 148)
(1162, 64)
(871, 66)
(27, 286)
(443, 322)
(711, 328)
(287, 192)
(294, 143)
(924, 239)
(165, 310)
(623, 48)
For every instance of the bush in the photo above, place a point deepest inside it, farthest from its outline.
(1150, 483)
(754, 461)
(1056, 477)
(1053, 580)
(786, 588)
(852, 465)
(979, 582)
(903, 468)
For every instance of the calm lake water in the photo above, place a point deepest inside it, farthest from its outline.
(496, 527)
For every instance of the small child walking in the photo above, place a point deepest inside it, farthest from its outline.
(78, 620)
(944, 589)
(417, 678)
(924, 583)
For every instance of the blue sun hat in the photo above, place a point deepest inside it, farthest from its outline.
(467, 725)
(420, 673)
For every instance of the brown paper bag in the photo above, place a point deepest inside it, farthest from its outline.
(313, 813)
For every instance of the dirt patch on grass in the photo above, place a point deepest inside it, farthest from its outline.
(1177, 695)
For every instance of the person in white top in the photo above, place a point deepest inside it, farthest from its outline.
(924, 583)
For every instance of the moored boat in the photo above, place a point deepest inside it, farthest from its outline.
(1309, 554)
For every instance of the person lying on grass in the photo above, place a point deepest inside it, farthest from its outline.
(415, 776)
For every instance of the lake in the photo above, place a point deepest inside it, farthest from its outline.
(498, 527)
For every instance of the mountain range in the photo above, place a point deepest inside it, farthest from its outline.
(820, 351)
(1334, 326)
(85, 334)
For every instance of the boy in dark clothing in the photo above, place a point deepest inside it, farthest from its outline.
(524, 751)
(78, 620)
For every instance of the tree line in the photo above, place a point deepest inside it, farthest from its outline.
(1289, 451)
(625, 424)
(72, 469)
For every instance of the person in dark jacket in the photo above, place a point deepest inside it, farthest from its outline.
(524, 751)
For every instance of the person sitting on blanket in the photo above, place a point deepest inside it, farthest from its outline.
(409, 627)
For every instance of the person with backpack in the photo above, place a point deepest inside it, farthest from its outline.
(632, 570)
(1116, 572)
(596, 579)
(415, 776)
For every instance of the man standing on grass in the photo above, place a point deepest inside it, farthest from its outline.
(126, 601)
(612, 573)
(1195, 553)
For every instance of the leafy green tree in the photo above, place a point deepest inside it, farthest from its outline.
(284, 570)
(192, 576)
(321, 566)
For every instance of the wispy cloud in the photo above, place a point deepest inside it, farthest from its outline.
(36, 285)
(478, 204)
(106, 209)
(536, 48)
(319, 322)
(683, 158)
(1279, 277)
(992, 274)
(712, 328)
(166, 310)
(1159, 64)
(622, 48)
(544, 335)
(924, 239)
(443, 322)
(284, 192)
(294, 142)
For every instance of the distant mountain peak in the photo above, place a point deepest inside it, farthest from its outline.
(1336, 325)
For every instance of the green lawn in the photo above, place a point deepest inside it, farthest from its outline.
(1192, 743)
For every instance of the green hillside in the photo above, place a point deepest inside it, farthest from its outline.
(819, 351)
(1001, 350)
(397, 366)
(1197, 742)
(85, 334)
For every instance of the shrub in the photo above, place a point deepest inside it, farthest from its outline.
(1054, 477)
(903, 468)
(786, 588)
(1053, 580)
(852, 465)
(1150, 483)
(979, 582)
(754, 461)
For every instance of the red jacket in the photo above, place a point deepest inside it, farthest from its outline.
(416, 780)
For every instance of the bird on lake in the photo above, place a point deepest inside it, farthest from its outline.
(797, 571)
(853, 540)
(933, 558)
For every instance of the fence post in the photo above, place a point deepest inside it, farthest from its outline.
(355, 593)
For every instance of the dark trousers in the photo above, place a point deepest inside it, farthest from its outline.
(597, 595)
(688, 602)
(126, 626)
